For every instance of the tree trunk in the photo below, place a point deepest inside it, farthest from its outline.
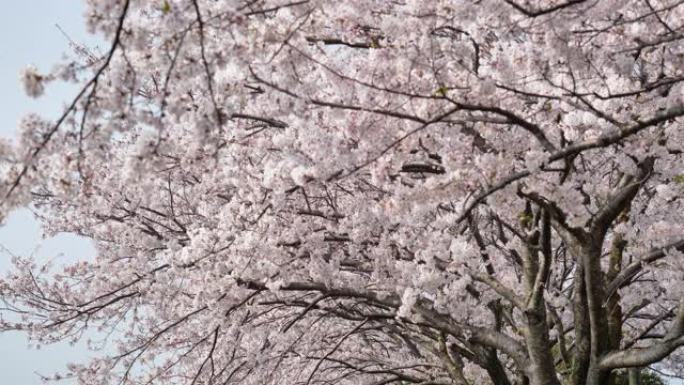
(634, 376)
(580, 364)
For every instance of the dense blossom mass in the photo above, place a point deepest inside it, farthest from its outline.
(361, 192)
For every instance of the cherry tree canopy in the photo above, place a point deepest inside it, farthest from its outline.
(361, 192)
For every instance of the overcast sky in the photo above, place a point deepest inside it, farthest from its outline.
(28, 35)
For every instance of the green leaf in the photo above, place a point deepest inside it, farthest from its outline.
(441, 91)
(679, 179)
(166, 7)
(525, 218)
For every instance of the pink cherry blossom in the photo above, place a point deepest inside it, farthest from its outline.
(361, 192)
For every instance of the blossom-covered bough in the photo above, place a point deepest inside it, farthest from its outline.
(362, 192)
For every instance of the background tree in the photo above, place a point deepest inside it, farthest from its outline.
(362, 192)
(639, 377)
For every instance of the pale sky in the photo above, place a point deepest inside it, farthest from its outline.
(28, 35)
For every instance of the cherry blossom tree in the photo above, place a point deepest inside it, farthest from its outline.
(361, 192)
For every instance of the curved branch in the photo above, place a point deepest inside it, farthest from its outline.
(629, 272)
(91, 83)
(603, 141)
(636, 357)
